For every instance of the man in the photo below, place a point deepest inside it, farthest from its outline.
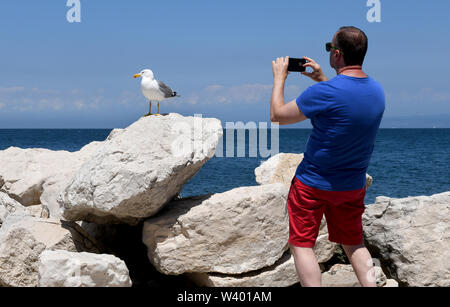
(345, 113)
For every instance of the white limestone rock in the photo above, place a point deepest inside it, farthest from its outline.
(37, 176)
(139, 169)
(324, 249)
(61, 268)
(282, 168)
(234, 232)
(391, 283)
(342, 275)
(369, 181)
(281, 274)
(279, 168)
(9, 206)
(23, 238)
(412, 237)
(39, 211)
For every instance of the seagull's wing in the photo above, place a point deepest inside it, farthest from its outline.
(168, 93)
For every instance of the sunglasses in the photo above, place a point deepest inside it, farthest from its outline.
(329, 46)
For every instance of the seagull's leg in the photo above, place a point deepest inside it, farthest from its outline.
(150, 111)
(158, 111)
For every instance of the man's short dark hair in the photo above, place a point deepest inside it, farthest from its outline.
(353, 43)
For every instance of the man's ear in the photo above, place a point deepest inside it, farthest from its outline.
(340, 55)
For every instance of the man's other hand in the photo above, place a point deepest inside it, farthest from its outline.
(317, 73)
(280, 69)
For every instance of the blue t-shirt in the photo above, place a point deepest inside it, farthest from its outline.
(346, 113)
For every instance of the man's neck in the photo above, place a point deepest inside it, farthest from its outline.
(352, 71)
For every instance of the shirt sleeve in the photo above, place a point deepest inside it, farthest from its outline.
(314, 100)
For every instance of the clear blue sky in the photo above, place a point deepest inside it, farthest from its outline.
(216, 54)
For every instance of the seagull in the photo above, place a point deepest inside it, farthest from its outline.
(154, 90)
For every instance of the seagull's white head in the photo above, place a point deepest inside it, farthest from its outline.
(146, 73)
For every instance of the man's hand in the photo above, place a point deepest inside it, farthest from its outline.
(284, 114)
(317, 74)
(280, 69)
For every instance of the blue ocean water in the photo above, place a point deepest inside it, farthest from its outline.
(405, 162)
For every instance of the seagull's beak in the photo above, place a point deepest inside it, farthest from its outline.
(136, 76)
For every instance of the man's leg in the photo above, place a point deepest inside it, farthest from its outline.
(344, 221)
(362, 264)
(307, 267)
(305, 215)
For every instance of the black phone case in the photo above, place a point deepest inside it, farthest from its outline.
(296, 65)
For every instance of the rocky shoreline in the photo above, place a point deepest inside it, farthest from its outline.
(109, 215)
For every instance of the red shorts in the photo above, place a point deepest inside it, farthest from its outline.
(343, 212)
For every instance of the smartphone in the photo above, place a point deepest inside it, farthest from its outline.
(296, 65)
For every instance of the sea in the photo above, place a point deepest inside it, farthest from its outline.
(405, 162)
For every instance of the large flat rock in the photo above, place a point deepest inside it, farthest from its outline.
(68, 269)
(234, 232)
(139, 169)
(281, 274)
(23, 238)
(411, 236)
(37, 176)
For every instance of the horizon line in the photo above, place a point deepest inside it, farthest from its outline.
(381, 128)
